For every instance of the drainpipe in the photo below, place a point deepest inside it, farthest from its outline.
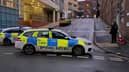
(118, 23)
(118, 16)
(54, 20)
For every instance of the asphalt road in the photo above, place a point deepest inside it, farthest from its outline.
(12, 60)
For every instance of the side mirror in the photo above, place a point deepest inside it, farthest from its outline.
(73, 36)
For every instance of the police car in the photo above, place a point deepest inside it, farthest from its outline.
(51, 40)
(7, 35)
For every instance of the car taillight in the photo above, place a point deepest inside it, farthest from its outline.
(18, 39)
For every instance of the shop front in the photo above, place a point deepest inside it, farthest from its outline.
(35, 13)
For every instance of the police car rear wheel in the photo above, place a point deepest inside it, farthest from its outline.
(78, 51)
(29, 50)
(7, 42)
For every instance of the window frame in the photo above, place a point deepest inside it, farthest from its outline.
(29, 32)
(59, 33)
(44, 36)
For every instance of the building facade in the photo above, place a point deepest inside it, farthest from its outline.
(116, 10)
(88, 7)
(37, 13)
(61, 5)
(70, 8)
(8, 13)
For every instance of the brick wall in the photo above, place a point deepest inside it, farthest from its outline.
(108, 12)
(88, 6)
(124, 28)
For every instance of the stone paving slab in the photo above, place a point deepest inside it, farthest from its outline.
(108, 45)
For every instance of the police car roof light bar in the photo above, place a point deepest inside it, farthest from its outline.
(50, 28)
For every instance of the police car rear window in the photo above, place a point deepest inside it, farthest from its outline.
(28, 34)
(43, 34)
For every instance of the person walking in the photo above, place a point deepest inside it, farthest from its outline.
(114, 31)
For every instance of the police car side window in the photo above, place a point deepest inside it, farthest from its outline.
(9, 31)
(28, 34)
(44, 34)
(58, 35)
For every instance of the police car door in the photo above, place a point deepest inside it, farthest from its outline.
(60, 40)
(42, 40)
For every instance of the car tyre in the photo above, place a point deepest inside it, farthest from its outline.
(78, 51)
(7, 42)
(29, 50)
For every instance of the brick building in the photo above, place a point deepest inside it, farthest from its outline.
(88, 7)
(70, 8)
(116, 10)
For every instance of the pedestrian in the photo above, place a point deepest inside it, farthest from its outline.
(114, 31)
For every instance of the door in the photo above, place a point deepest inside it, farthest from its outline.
(59, 40)
(30, 38)
(42, 39)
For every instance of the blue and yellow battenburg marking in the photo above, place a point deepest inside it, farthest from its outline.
(9, 35)
(52, 42)
(2, 35)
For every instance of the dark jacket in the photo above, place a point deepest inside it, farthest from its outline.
(114, 29)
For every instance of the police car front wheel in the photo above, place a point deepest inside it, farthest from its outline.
(29, 50)
(78, 50)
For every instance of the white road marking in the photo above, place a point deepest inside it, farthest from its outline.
(66, 55)
(85, 57)
(8, 53)
(119, 56)
(51, 55)
(99, 57)
(115, 59)
(6, 50)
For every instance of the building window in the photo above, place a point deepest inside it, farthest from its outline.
(9, 3)
(75, 5)
(87, 5)
(70, 3)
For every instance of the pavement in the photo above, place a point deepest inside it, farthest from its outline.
(79, 28)
(103, 40)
